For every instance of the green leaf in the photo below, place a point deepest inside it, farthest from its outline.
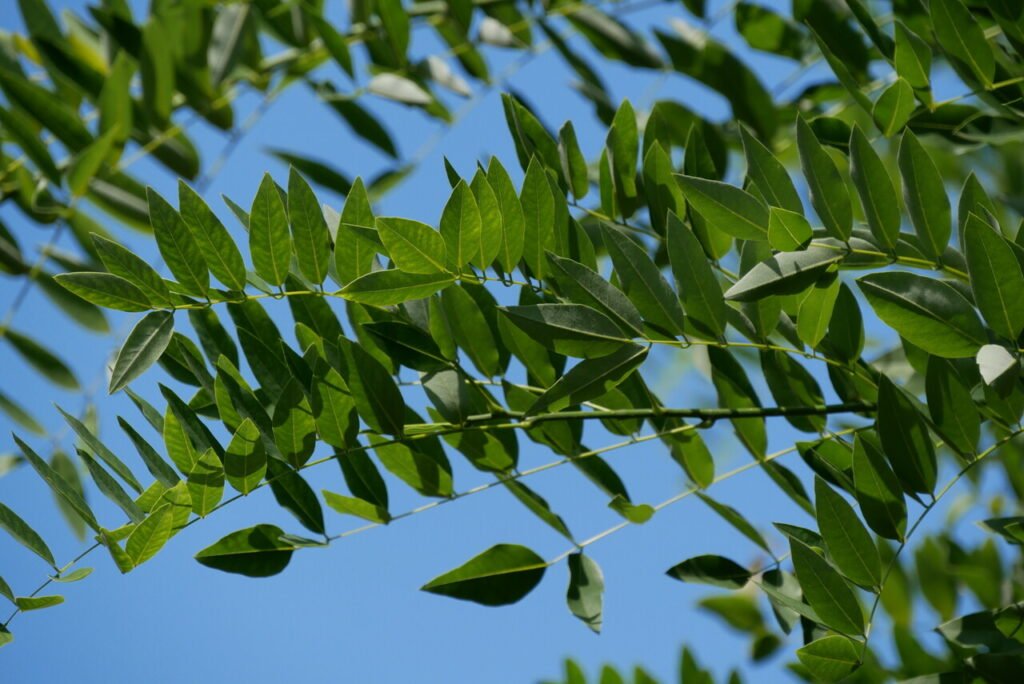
(377, 397)
(574, 165)
(59, 485)
(87, 163)
(699, 289)
(893, 107)
(126, 264)
(875, 188)
(421, 464)
(951, 407)
(156, 465)
(586, 590)
(27, 603)
(538, 505)
(925, 196)
(784, 273)
(110, 488)
(878, 491)
(814, 313)
(99, 449)
(830, 658)
(643, 283)
(245, 460)
(905, 439)
(19, 415)
(390, 287)
(829, 195)
(269, 242)
(996, 277)
(143, 346)
(788, 231)
(622, 144)
(726, 207)
(571, 329)
(347, 505)
(928, 313)
(205, 483)
(311, 240)
(735, 391)
(218, 248)
(581, 285)
(42, 359)
(849, 545)
(294, 426)
(470, 329)
(637, 514)
(25, 535)
(489, 243)
(293, 493)
(539, 217)
(75, 576)
(115, 99)
(513, 220)
(826, 591)
(414, 247)
(106, 290)
(591, 378)
(912, 57)
(336, 44)
(717, 571)
(461, 227)
(150, 535)
(333, 409)
(769, 174)
(254, 552)
(177, 246)
(963, 39)
(501, 575)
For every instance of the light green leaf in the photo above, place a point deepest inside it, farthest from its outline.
(27, 603)
(814, 312)
(106, 290)
(830, 658)
(245, 460)
(788, 231)
(87, 163)
(177, 246)
(310, 238)
(826, 591)
(414, 247)
(893, 107)
(460, 227)
(143, 346)
(347, 505)
(378, 399)
(539, 217)
(829, 195)
(205, 483)
(849, 544)
(150, 535)
(489, 243)
(126, 264)
(913, 57)
(390, 287)
(925, 196)
(513, 220)
(218, 248)
(269, 242)
(92, 442)
(586, 590)
(254, 552)
(928, 313)
(501, 575)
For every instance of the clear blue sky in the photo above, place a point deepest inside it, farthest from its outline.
(353, 612)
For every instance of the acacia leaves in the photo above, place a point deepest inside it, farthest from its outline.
(501, 575)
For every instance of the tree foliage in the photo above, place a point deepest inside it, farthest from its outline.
(769, 246)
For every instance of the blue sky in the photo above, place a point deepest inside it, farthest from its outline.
(353, 612)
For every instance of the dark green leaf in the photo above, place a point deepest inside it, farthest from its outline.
(643, 283)
(826, 591)
(905, 439)
(254, 552)
(390, 287)
(876, 190)
(849, 544)
(106, 290)
(178, 247)
(571, 329)
(217, 246)
(293, 493)
(829, 196)
(784, 273)
(714, 570)
(727, 208)
(269, 242)
(996, 278)
(25, 535)
(143, 346)
(925, 195)
(830, 658)
(501, 575)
